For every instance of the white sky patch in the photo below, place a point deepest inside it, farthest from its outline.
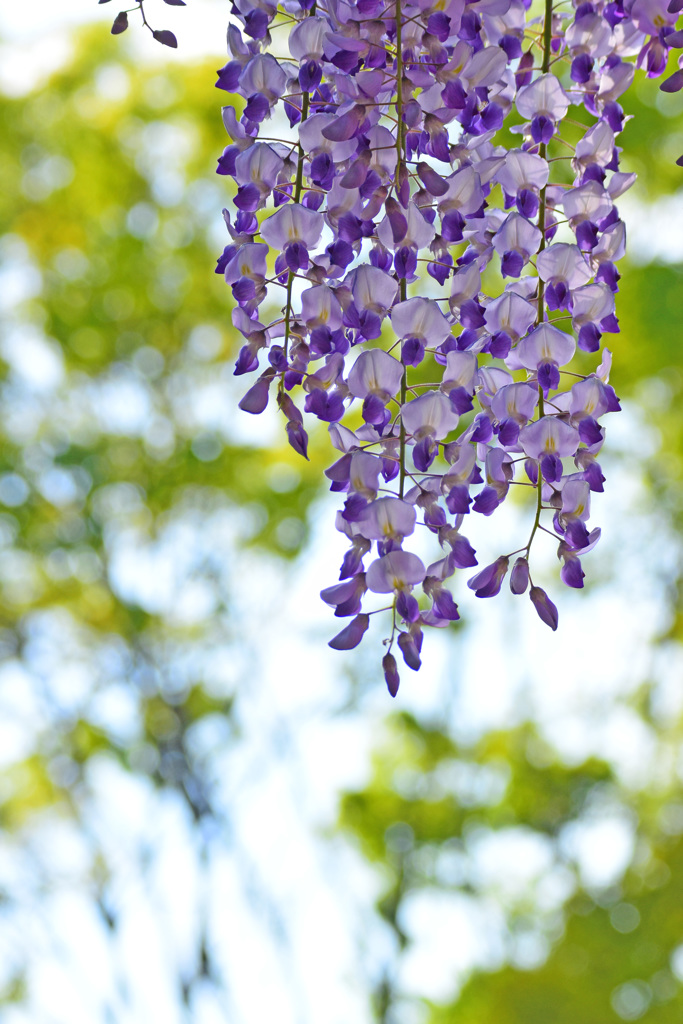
(508, 862)
(654, 228)
(20, 279)
(28, 55)
(452, 934)
(602, 848)
(36, 360)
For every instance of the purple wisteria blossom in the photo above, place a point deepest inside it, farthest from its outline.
(403, 276)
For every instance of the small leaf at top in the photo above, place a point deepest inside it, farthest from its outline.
(120, 23)
(165, 37)
(103, 1)
(176, 3)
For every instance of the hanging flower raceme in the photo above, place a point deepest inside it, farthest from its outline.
(372, 193)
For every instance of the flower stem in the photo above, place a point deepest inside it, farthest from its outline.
(298, 189)
(400, 165)
(402, 435)
(540, 315)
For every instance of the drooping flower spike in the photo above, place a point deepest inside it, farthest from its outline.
(372, 192)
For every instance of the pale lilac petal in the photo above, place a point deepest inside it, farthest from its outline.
(383, 150)
(430, 415)
(620, 182)
(523, 170)
(461, 469)
(307, 39)
(498, 467)
(375, 372)
(485, 67)
(232, 126)
(597, 145)
(603, 370)
(372, 289)
(614, 81)
(236, 44)
(343, 439)
(420, 231)
(418, 235)
(364, 474)
(248, 261)
(612, 244)
(516, 402)
(563, 262)
(263, 74)
(441, 570)
(247, 327)
(292, 223)
(589, 34)
(420, 318)
(549, 436)
(388, 518)
(313, 141)
(342, 200)
(326, 375)
(258, 165)
(459, 372)
(321, 307)
(465, 285)
(492, 379)
(344, 127)
(517, 235)
(464, 192)
(576, 499)
(510, 313)
(587, 202)
(395, 571)
(591, 304)
(545, 345)
(545, 96)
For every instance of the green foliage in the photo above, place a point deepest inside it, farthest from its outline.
(109, 197)
(431, 799)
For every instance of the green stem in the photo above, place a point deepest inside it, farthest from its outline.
(298, 186)
(537, 519)
(298, 189)
(399, 87)
(547, 34)
(542, 150)
(400, 164)
(402, 434)
(540, 315)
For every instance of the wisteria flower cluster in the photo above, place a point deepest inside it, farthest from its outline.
(442, 237)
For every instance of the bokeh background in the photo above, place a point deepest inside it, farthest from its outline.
(205, 814)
